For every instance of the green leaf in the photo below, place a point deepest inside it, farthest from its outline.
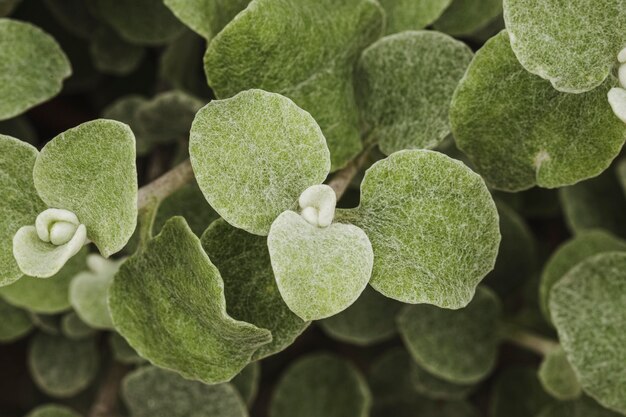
(405, 86)
(424, 407)
(52, 410)
(45, 295)
(168, 303)
(74, 328)
(321, 385)
(370, 320)
(433, 227)
(19, 202)
(320, 271)
(249, 285)
(185, 52)
(62, 367)
(89, 290)
(15, 322)
(206, 17)
(464, 17)
(113, 55)
(558, 378)
(122, 351)
(570, 254)
(584, 407)
(436, 388)
(587, 307)
(412, 14)
(75, 16)
(305, 50)
(389, 376)
(26, 82)
(153, 392)
(499, 120)
(518, 393)
(143, 22)
(458, 346)
(247, 382)
(574, 47)
(124, 110)
(253, 155)
(188, 202)
(90, 171)
(597, 203)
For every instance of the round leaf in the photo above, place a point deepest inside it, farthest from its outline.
(412, 14)
(112, 54)
(433, 227)
(557, 376)
(74, 328)
(32, 67)
(499, 119)
(458, 346)
(405, 83)
(253, 155)
(15, 322)
(168, 303)
(90, 171)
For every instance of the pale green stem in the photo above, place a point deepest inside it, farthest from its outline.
(342, 179)
(166, 184)
(530, 341)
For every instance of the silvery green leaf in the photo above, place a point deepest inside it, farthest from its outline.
(436, 388)
(558, 378)
(405, 84)
(206, 17)
(583, 407)
(19, 202)
(24, 82)
(412, 14)
(89, 289)
(305, 50)
(570, 254)
(247, 382)
(433, 227)
(122, 351)
(587, 307)
(155, 392)
(254, 154)
(249, 285)
(188, 202)
(52, 410)
(62, 367)
(74, 328)
(518, 393)
(143, 22)
(465, 17)
(321, 385)
(574, 46)
(320, 271)
(45, 295)
(90, 170)
(168, 303)
(499, 119)
(15, 322)
(459, 346)
(370, 320)
(113, 55)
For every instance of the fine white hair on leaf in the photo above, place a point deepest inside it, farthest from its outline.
(318, 205)
(47, 218)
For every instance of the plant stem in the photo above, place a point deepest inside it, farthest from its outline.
(166, 184)
(106, 399)
(530, 341)
(344, 177)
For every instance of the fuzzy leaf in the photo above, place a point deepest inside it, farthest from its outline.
(321, 385)
(15, 322)
(305, 50)
(459, 346)
(500, 120)
(90, 171)
(26, 82)
(320, 271)
(405, 86)
(253, 155)
(464, 17)
(570, 254)
(168, 303)
(144, 22)
(249, 285)
(206, 17)
(74, 328)
(19, 202)
(584, 407)
(52, 410)
(558, 378)
(412, 14)
(574, 47)
(45, 295)
(247, 382)
(433, 227)
(436, 388)
(370, 320)
(62, 367)
(587, 307)
(154, 392)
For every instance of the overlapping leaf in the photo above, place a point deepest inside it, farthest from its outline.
(206, 17)
(15, 322)
(52, 410)
(558, 378)
(412, 14)
(464, 17)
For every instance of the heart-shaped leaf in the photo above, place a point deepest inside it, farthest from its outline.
(19, 202)
(90, 171)
(168, 303)
(320, 56)
(412, 14)
(320, 271)
(249, 285)
(15, 322)
(405, 86)
(206, 17)
(27, 82)
(500, 120)
(433, 227)
(558, 378)
(254, 154)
